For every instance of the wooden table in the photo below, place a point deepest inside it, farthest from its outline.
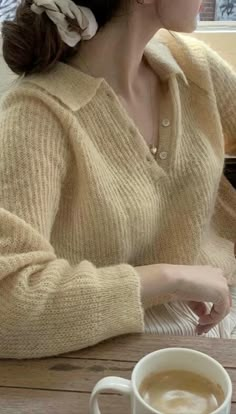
(62, 385)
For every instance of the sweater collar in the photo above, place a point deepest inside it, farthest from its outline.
(75, 89)
(161, 59)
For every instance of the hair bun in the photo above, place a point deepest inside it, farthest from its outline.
(31, 42)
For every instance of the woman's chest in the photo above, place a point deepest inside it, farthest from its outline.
(120, 204)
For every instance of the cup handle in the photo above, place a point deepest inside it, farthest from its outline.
(121, 385)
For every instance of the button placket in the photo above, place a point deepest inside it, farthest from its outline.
(165, 128)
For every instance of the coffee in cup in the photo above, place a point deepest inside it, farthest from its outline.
(161, 378)
(181, 392)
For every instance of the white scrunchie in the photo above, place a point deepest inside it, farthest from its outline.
(58, 10)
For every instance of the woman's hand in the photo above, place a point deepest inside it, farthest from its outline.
(200, 284)
(193, 284)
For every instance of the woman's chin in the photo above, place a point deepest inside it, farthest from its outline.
(187, 27)
(191, 28)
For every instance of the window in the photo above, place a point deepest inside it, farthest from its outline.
(8, 9)
(217, 27)
(218, 10)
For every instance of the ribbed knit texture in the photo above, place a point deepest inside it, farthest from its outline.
(82, 203)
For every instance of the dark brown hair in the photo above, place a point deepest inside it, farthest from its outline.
(31, 43)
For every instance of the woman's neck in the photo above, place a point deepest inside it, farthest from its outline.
(116, 52)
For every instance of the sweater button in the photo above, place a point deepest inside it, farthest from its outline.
(163, 155)
(165, 122)
(149, 158)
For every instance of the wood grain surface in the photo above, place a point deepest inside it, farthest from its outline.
(21, 401)
(133, 347)
(62, 385)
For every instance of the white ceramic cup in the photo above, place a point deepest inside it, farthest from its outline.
(164, 360)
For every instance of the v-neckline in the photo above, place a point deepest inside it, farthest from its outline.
(165, 78)
(139, 140)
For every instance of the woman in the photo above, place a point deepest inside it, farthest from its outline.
(114, 214)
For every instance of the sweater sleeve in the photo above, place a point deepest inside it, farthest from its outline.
(224, 83)
(48, 306)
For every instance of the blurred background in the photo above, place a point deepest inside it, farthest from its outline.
(218, 10)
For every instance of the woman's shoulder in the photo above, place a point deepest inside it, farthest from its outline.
(196, 59)
(61, 87)
(34, 124)
(188, 49)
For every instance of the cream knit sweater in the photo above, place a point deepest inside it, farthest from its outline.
(82, 202)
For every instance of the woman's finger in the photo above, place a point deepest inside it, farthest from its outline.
(217, 313)
(199, 308)
(201, 329)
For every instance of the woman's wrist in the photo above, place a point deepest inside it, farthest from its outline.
(158, 284)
